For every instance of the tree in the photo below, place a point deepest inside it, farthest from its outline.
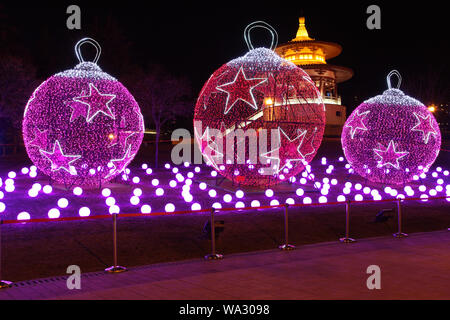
(162, 97)
(17, 82)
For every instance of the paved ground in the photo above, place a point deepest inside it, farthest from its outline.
(413, 268)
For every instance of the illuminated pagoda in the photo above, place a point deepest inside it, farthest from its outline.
(312, 55)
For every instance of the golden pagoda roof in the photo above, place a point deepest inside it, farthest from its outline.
(302, 33)
(302, 40)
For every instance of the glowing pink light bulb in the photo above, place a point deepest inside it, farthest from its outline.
(255, 204)
(146, 209)
(239, 194)
(159, 192)
(217, 205)
(84, 212)
(77, 191)
(114, 209)
(299, 192)
(23, 216)
(110, 201)
(169, 207)
(54, 213)
(106, 192)
(63, 203)
(239, 205)
(134, 200)
(227, 198)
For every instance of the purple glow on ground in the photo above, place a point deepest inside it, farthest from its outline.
(141, 197)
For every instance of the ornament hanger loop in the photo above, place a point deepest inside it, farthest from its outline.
(388, 78)
(264, 25)
(91, 41)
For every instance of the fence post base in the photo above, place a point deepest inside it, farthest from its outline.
(287, 247)
(347, 240)
(400, 235)
(215, 256)
(115, 269)
(5, 284)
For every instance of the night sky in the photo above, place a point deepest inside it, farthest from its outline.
(193, 39)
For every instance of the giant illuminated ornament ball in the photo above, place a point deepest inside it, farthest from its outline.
(391, 138)
(81, 126)
(259, 119)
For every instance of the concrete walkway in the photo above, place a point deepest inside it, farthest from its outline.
(417, 267)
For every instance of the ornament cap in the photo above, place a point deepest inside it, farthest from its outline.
(92, 42)
(264, 25)
(389, 76)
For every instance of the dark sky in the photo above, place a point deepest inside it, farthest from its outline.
(194, 38)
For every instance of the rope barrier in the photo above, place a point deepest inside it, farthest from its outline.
(131, 215)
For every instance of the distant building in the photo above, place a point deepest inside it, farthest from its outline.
(311, 55)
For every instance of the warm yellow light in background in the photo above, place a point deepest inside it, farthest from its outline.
(268, 101)
(432, 108)
(111, 136)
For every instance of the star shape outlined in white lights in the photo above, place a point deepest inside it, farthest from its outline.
(40, 139)
(423, 126)
(356, 122)
(277, 168)
(59, 160)
(122, 165)
(97, 101)
(389, 155)
(235, 90)
(200, 139)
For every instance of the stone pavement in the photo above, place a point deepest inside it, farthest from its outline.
(417, 267)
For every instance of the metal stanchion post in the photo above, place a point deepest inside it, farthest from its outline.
(399, 234)
(3, 283)
(213, 255)
(286, 245)
(115, 268)
(347, 238)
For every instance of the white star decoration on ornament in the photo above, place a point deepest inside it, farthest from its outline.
(357, 122)
(389, 156)
(97, 102)
(59, 160)
(121, 138)
(210, 144)
(289, 148)
(40, 139)
(214, 81)
(424, 125)
(121, 164)
(240, 88)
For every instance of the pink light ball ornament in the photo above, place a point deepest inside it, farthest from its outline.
(84, 212)
(259, 119)
(54, 213)
(169, 207)
(77, 191)
(81, 126)
(23, 216)
(146, 209)
(391, 138)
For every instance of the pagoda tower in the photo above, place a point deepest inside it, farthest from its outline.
(312, 55)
